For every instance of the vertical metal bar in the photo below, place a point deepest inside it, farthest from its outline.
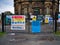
(53, 16)
(55, 23)
(29, 24)
(56, 17)
(2, 22)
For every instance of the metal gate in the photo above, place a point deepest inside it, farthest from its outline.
(13, 23)
(46, 24)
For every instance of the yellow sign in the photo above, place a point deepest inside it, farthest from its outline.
(46, 20)
(34, 18)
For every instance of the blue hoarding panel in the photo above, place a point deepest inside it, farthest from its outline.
(36, 26)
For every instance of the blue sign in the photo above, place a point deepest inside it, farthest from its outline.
(58, 15)
(8, 20)
(58, 18)
(50, 19)
(36, 26)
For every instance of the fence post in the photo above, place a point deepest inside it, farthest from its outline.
(2, 22)
(56, 18)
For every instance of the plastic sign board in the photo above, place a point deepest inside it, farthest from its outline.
(50, 19)
(58, 18)
(9, 16)
(18, 22)
(34, 18)
(40, 17)
(8, 19)
(47, 18)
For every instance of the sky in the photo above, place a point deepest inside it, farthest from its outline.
(6, 5)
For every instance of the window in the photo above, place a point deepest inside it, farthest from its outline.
(59, 6)
(47, 10)
(36, 11)
(30, 0)
(24, 11)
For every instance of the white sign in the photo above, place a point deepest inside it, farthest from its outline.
(32, 17)
(47, 18)
(18, 22)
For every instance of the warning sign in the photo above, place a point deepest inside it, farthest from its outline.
(46, 20)
(18, 22)
(34, 18)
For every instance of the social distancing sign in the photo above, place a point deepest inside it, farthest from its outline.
(18, 22)
(34, 18)
(18, 19)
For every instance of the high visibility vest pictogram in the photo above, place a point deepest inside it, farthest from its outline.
(34, 18)
(46, 20)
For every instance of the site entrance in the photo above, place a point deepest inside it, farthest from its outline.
(36, 24)
(38, 15)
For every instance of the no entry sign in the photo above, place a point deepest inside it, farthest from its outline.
(18, 22)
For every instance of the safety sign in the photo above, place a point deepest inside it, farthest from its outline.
(34, 18)
(47, 18)
(58, 18)
(18, 22)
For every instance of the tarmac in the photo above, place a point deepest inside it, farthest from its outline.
(29, 39)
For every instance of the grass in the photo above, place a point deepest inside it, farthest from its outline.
(1, 34)
(57, 33)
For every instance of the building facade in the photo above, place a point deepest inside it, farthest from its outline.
(36, 7)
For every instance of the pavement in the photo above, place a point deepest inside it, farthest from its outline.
(42, 38)
(29, 39)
